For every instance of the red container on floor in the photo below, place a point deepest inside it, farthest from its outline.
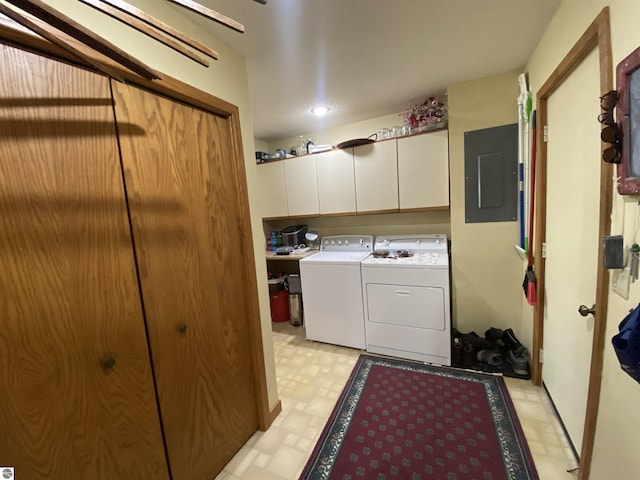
(279, 302)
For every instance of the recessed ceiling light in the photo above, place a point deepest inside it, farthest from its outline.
(320, 110)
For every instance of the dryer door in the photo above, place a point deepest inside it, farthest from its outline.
(408, 321)
(410, 306)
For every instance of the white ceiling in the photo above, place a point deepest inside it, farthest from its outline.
(368, 58)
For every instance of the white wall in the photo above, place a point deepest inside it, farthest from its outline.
(615, 452)
(261, 146)
(333, 136)
(487, 272)
(226, 78)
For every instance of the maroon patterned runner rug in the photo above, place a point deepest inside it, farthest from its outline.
(402, 420)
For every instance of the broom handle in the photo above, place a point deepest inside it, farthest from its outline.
(533, 185)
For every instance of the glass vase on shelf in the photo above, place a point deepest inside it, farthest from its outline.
(301, 146)
(429, 123)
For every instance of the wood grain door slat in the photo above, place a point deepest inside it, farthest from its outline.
(69, 298)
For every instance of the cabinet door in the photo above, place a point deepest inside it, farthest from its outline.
(77, 398)
(185, 217)
(336, 182)
(376, 173)
(302, 185)
(273, 190)
(423, 170)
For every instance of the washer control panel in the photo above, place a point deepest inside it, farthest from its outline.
(347, 243)
(412, 243)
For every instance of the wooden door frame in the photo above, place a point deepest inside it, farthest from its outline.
(598, 36)
(13, 35)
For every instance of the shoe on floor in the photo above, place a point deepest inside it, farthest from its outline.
(493, 358)
(510, 340)
(456, 356)
(518, 362)
(476, 341)
(468, 355)
(493, 334)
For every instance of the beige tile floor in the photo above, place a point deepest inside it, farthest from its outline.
(310, 378)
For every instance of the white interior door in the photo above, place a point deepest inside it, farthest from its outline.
(573, 202)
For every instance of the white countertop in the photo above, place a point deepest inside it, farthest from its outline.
(292, 256)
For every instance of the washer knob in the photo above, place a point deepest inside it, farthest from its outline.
(346, 242)
(386, 242)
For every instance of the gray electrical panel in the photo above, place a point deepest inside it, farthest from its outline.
(491, 174)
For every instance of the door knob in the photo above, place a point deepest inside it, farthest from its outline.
(584, 310)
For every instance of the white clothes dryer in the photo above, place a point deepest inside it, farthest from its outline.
(406, 296)
(332, 290)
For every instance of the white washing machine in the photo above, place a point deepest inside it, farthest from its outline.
(406, 295)
(332, 290)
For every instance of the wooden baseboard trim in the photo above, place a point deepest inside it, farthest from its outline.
(273, 414)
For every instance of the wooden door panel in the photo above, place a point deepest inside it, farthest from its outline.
(571, 261)
(68, 292)
(186, 233)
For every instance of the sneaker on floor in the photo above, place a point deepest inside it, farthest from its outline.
(510, 340)
(493, 358)
(518, 361)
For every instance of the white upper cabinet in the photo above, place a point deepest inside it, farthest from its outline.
(336, 182)
(273, 190)
(376, 175)
(408, 173)
(423, 170)
(302, 185)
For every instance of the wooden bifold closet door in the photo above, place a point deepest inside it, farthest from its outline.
(76, 389)
(184, 210)
(125, 337)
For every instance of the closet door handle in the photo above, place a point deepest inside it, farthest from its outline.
(182, 328)
(109, 363)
